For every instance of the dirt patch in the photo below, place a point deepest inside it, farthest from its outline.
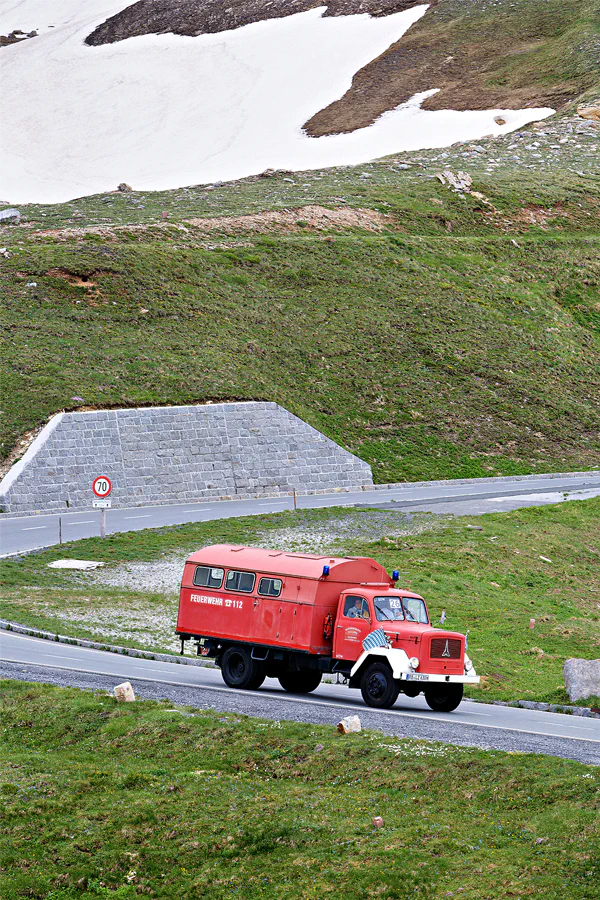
(317, 218)
(303, 218)
(191, 18)
(479, 56)
(81, 281)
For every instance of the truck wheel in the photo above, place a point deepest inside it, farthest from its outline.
(240, 670)
(443, 697)
(300, 682)
(378, 687)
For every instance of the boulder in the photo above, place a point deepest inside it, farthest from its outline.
(125, 188)
(582, 678)
(10, 215)
(349, 725)
(590, 112)
(124, 693)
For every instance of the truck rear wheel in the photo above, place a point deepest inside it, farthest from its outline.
(378, 687)
(443, 697)
(239, 670)
(300, 682)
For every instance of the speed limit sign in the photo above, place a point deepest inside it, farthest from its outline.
(102, 486)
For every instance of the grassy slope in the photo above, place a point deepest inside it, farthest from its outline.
(491, 581)
(428, 353)
(108, 801)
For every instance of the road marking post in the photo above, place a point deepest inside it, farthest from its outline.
(60, 529)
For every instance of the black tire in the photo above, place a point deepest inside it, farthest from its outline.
(239, 670)
(443, 697)
(378, 687)
(300, 682)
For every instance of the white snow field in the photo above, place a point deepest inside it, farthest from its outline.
(163, 111)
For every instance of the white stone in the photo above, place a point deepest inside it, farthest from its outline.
(124, 693)
(349, 725)
(74, 564)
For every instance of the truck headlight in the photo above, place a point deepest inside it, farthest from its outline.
(414, 662)
(469, 667)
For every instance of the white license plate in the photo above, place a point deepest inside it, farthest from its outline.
(417, 677)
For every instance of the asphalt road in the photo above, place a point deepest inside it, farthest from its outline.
(24, 533)
(472, 724)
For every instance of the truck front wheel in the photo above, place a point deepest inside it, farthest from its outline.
(378, 687)
(443, 697)
(239, 670)
(300, 682)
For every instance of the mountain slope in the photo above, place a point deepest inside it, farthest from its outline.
(449, 336)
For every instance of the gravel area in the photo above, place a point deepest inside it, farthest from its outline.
(335, 534)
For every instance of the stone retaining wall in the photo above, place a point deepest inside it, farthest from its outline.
(177, 453)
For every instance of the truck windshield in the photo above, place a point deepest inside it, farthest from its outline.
(395, 609)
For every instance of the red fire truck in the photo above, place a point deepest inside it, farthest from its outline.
(293, 616)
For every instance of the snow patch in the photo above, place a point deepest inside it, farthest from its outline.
(162, 111)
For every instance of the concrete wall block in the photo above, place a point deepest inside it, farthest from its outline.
(179, 453)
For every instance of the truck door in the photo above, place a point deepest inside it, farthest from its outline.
(352, 626)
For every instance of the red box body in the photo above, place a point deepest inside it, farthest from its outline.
(294, 619)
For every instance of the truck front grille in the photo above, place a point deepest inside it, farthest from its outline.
(445, 648)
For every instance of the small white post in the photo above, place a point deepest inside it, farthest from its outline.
(103, 523)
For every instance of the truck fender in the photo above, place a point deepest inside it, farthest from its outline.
(397, 659)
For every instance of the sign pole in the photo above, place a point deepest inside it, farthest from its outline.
(102, 487)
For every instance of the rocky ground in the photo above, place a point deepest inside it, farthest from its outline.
(188, 17)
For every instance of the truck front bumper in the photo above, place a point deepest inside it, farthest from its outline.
(422, 678)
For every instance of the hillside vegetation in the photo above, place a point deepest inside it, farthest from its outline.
(449, 335)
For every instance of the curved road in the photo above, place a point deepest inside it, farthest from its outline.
(472, 724)
(22, 533)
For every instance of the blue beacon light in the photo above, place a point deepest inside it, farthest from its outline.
(395, 575)
(325, 571)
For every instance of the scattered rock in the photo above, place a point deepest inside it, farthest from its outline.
(590, 112)
(10, 215)
(459, 182)
(582, 678)
(125, 188)
(377, 821)
(124, 693)
(499, 120)
(349, 725)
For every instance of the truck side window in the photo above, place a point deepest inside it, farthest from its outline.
(270, 587)
(206, 576)
(240, 581)
(356, 608)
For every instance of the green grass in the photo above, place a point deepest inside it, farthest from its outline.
(491, 581)
(102, 800)
(428, 353)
